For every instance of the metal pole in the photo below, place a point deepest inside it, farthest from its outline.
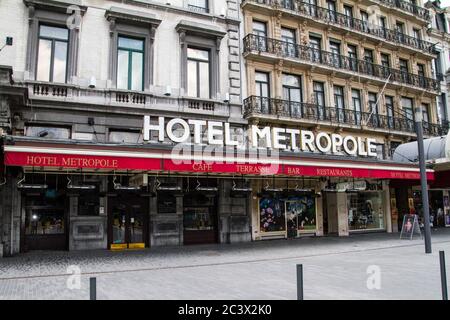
(423, 180)
(93, 288)
(443, 275)
(299, 282)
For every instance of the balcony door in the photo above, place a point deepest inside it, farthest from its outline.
(373, 109)
(404, 70)
(262, 91)
(319, 96)
(348, 12)
(335, 48)
(310, 7)
(352, 57)
(331, 13)
(289, 45)
(356, 105)
(316, 49)
(408, 111)
(292, 95)
(339, 103)
(390, 111)
(386, 65)
(368, 58)
(260, 31)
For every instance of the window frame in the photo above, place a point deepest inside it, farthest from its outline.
(130, 61)
(51, 15)
(52, 56)
(197, 63)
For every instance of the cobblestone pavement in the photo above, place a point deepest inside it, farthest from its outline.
(334, 268)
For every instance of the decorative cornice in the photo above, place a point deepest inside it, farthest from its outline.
(117, 14)
(56, 5)
(185, 26)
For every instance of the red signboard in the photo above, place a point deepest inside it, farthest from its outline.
(214, 167)
(26, 159)
(314, 171)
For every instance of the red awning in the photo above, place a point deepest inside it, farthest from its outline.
(91, 158)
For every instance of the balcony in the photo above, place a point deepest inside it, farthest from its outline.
(417, 11)
(363, 27)
(312, 113)
(102, 99)
(254, 43)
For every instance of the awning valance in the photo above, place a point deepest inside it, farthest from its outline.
(117, 159)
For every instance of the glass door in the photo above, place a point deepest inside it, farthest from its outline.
(128, 222)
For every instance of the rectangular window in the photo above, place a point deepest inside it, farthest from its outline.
(262, 90)
(404, 70)
(438, 66)
(339, 103)
(407, 107)
(335, 48)
(289, 42)
(353, 57)
(47, 132)
(390, 111)
(421, 74)
(365, 21)
(400, 31)
(386, 64)
(311, 7)
(316, 48)
(260, 30)
(130, 64)
(89, 202)
(366, 211)
(52, 54)
(373, 109)
(128, 137)
(199, 5)
(348, 12)
(331, 13)
(368, 58)
(356, 105)
(425, 112)
(292, 94)
(319, 96)
(198, 70)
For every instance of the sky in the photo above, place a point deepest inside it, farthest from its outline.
(445, 3)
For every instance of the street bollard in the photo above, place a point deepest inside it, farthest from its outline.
(93, 288)
(299, 282)
(443, 275)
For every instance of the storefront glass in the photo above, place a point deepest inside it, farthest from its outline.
(291, 214)
(365, 211)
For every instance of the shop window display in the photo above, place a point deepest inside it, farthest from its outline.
(365, 211)
(289, 214)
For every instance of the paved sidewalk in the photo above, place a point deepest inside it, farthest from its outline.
(335, 268)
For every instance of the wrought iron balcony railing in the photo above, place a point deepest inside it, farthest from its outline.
(256, 43)
(418, 11)
(257, 106)
(330, 16)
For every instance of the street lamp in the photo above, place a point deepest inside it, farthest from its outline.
(423, 178)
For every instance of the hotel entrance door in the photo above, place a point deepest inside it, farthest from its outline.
(128, 222)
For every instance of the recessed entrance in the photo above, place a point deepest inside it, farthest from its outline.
(128, 222)
(200, 219)
(46, 215)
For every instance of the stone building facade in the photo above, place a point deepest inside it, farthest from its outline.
(85, 73)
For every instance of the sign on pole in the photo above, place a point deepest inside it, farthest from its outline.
(410, 227)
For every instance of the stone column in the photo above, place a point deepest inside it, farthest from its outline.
(342, 213)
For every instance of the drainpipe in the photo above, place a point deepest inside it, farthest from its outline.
(12, 227)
